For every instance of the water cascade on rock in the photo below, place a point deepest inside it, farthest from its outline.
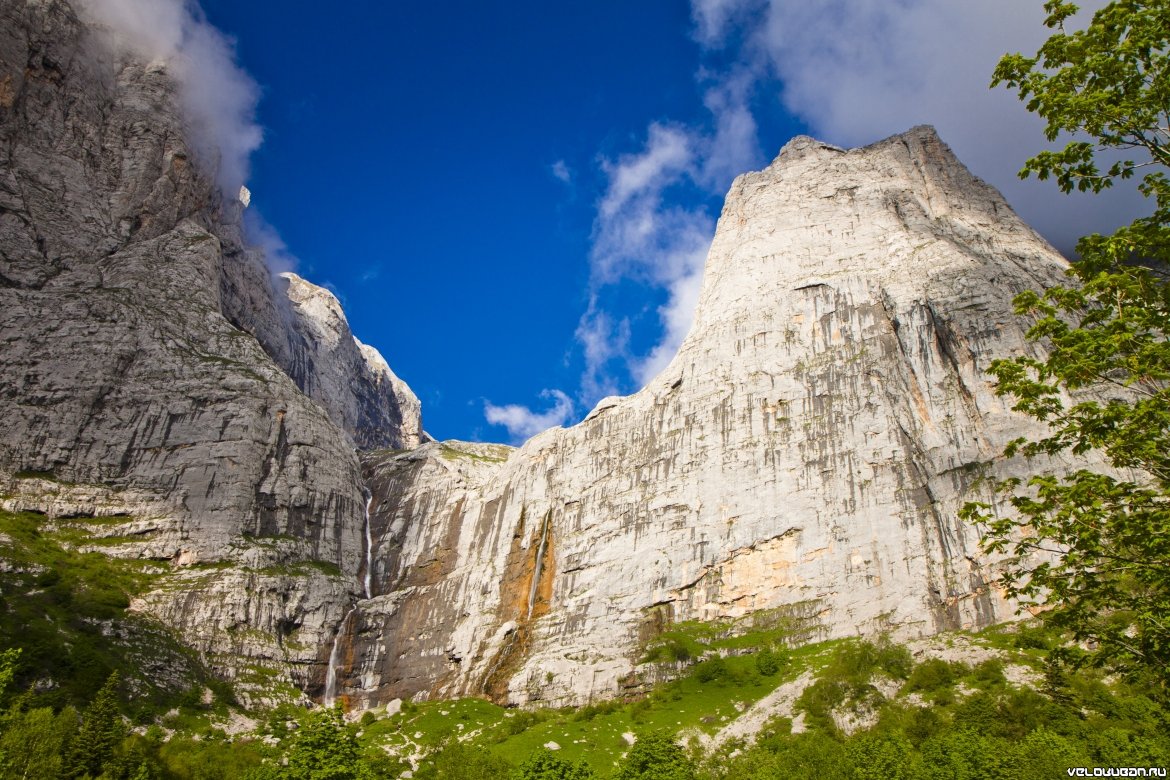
(539, 561)
(368, 580)
(330, 696)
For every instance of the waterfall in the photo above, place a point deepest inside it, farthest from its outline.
(369, 548)
(331, 672)
(539, 564)
(335, 662)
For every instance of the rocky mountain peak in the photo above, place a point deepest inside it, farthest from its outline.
(802, 145)
(894, 212)
(802, 458)
(349, 379)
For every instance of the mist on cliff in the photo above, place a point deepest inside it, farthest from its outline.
(218, 98)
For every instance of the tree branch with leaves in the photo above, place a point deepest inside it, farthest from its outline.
(1103, 536)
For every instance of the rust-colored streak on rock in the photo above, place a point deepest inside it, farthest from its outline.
(525, 595)
(441, 563)
(519, 570)
(542, 602)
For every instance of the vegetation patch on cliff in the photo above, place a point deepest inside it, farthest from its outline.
(67, 610)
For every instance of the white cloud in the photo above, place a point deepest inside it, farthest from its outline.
(857, 71)
(712, 18)
(666, 156)
(522, 422)
(638, 235)
(734, 148)
(260, 233)
(560, 171)
(677, 315)
(641, 233)
(603, 339)
(218, 98)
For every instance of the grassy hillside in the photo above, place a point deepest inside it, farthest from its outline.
(744, 703)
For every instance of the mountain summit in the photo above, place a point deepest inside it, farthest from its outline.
(802, 458)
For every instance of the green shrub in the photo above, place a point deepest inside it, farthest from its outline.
(807, 755)
(894, 660)
(543, 764)
(1032, 638)
(768, 662)
(967, 755)
(591, 711)
(1121, 747)
(640, 709)
(934, 674)
(521, 722)
(857, 662)
(711, 670)
(889, 757)
(1044, 754)
(819, 699)
(671, 649)
(988, 674)
(922, 724)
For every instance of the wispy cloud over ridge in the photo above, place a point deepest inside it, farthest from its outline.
(640, 233)
(522, 422)
(854, 72)
(713, 17)
(560, 171)
(260, 233)
(218, 98)
(861, 70)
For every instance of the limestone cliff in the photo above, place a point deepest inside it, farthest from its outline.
(804, 454)
(350, 379)
(149, 368)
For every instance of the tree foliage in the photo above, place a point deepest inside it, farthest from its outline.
(544, 764)
(324, 748)
(655, 757)
(33, 742)
(8, 660)
(102, 731)
(1103, 536)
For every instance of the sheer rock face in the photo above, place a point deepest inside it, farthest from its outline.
(806, 451)
(149, 369)
(350, 379)
(804, 454)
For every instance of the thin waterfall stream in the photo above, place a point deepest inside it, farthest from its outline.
(335, 661)
(368, 579)
(331, 672)
(539, 565)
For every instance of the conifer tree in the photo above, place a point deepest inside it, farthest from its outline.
(102, 730)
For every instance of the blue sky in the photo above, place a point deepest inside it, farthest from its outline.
(513, 200)
(440, 171)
